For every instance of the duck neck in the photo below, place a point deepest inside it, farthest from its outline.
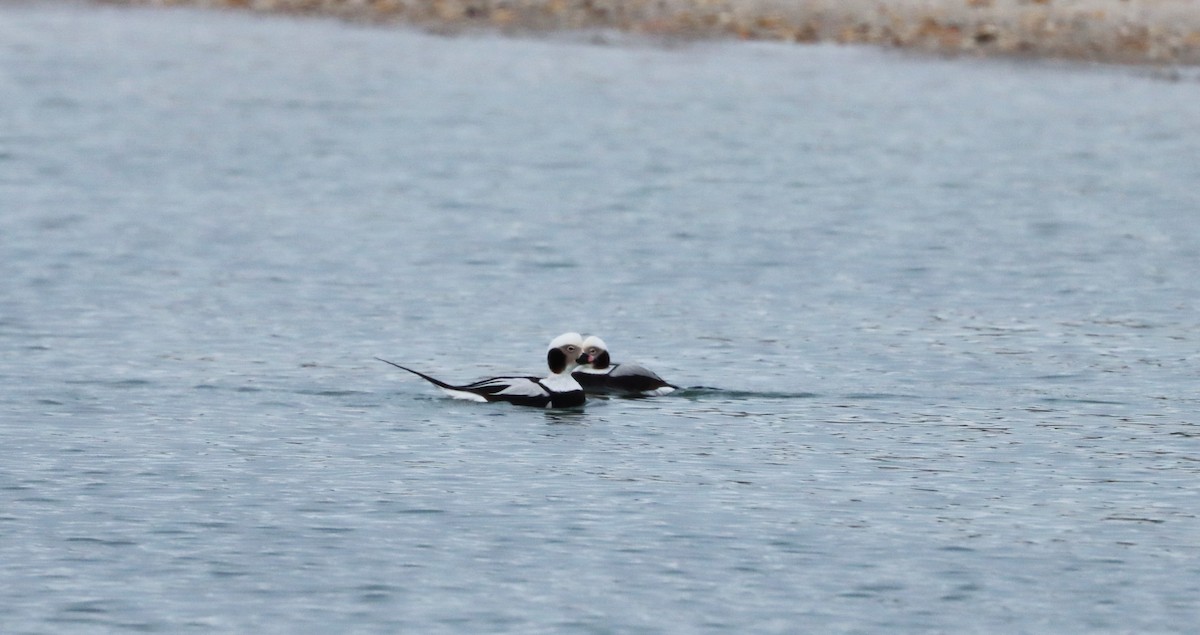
(562, 382)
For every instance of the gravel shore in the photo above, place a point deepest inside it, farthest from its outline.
(1120, 31)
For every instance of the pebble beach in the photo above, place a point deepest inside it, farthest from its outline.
(1158, 32)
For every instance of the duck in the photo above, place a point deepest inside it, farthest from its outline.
(559, 389)
(598, 375)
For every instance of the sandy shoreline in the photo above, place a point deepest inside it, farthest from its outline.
(1116, 31)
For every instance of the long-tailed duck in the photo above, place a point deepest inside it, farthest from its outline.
(557, 390)
(598, 375)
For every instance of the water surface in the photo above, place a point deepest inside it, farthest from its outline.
(944, 314)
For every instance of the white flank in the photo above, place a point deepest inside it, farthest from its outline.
(524, 388)
(462, 394)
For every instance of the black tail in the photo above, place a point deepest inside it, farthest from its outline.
(433, 380)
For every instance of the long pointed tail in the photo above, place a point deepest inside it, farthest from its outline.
(433, 380)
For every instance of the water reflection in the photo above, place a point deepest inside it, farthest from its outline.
(566, 416)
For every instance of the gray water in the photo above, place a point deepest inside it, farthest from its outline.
(939, 318)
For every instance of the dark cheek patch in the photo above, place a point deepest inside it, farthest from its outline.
(602, 361)
(557, 360)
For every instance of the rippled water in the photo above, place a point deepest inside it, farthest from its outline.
(944, 314)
